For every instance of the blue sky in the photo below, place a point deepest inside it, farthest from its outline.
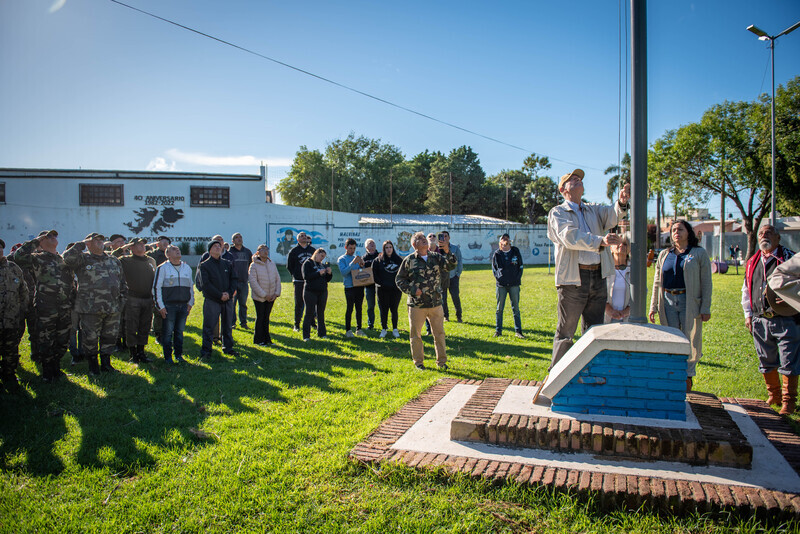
(92, 84)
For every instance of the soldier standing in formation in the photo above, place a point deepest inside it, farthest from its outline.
(139, 270)
(54, 290)
(101, 295)
(160, 255)
(13, 305)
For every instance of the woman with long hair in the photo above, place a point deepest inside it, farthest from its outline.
(315, 292)
(385, 270)
(682, 290)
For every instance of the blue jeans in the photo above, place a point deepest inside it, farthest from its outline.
(242, 292)
(173, 326)
(369, 293)
(513, 296)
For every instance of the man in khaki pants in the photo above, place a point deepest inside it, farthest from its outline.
(420, 276)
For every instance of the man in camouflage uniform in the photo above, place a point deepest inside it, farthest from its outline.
(101, 296)
(139, 270)
(53, 300)
(420, 276)
(13, 305)
(30, 314)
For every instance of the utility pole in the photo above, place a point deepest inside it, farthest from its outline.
(451, 198)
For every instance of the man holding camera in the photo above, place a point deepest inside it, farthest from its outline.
(583, 259)
(420, 277)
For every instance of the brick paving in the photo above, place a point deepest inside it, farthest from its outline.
(718, 442)
(613, 490)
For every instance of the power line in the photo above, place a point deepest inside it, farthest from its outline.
(341, 85)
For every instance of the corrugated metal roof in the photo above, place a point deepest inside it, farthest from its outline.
(424, 219)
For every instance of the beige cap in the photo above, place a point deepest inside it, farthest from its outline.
(576, 172)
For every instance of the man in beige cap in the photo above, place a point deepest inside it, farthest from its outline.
(579, 231)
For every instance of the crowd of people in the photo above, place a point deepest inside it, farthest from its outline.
(102, 294)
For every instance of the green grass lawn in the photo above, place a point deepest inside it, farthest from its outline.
(259, 442)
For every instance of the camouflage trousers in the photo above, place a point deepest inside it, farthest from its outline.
(9, 350)
(138, 317)
(102, 328)
(52, 332)
(30, 320)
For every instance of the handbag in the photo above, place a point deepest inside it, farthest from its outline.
(363, 277)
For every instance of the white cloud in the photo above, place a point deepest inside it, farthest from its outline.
(58, 4)
(160, 164)
(225, 161)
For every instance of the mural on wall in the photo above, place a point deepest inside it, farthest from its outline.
(477, 244)
(144, 217)
(286, 236)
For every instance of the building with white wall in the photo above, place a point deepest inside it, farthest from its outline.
(192, 207)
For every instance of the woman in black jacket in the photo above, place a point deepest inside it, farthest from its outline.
(315, 292)
(385, 270)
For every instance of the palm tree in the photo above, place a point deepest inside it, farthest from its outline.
(622, 175)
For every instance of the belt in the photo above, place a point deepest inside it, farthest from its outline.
(675, 291)
(592, 267)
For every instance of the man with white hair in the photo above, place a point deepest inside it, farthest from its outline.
(776, 332)
(420, 277)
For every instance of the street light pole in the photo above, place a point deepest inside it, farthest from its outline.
(764, 36)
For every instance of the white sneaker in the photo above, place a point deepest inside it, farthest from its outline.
(383, 333)
(306, 340)
(349, 333)
(360, 333)
(396, 332)
(324, 337)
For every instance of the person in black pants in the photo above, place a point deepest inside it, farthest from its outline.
(315, 292)
(219, 284)
(294, 263)
(385, 269)
(369, 291)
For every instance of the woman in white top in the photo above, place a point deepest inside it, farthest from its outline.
(618, 305)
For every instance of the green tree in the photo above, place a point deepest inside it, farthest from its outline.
(507, 186)
(541, 193)
(468, 179)
(308, 183)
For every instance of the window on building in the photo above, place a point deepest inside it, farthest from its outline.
(101, 195)
(2, 192)
(211, 197)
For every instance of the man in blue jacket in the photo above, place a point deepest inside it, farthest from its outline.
(507, 269)
(241, 257)
(219, 286)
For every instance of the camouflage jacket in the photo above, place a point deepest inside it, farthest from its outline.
(415, 273)
(101, 283)
(13, 295)
(54, 283)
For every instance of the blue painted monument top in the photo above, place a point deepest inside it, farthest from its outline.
(623, 369)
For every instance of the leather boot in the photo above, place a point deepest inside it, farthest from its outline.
(105, 364)
(134, 352)
(773, 381)
(94, 368)
(142, 356)
(789, 401)
(47, 371)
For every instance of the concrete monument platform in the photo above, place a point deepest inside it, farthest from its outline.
(602, 463)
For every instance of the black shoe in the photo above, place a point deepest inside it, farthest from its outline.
(77, 358)
(105, 364)
(443, 367)
(179, 359)
(497, 334)
(230, 352)
(420, 366)
(459, 320)
(94, 368)
(143, 356)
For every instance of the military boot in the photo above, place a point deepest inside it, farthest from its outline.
(9, 379)
(142, 355)
(55, 369)
(105, 364)
(94, 368)
(47, 371)
(134, 352)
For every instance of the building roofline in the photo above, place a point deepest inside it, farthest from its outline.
(9, 173)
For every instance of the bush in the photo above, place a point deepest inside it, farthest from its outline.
(200, 248)
(184, 248)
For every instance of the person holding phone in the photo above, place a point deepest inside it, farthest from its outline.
(315, 293)
(354, 296)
